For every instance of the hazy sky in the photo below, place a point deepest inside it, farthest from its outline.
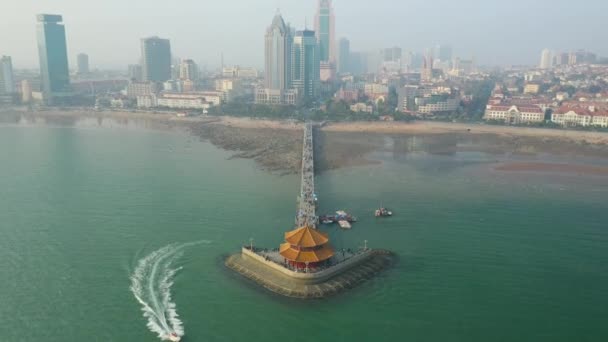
(495, 32)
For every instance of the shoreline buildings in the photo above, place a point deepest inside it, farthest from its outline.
(53, 55)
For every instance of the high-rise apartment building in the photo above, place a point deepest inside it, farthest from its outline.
(188, 70)
(83, 63)
(306, 64)
(546, 59)
(7, 81)
(156, 59)
(278, 55)
(325, 30)
(344, 56)
(53, 55)
(135, 72)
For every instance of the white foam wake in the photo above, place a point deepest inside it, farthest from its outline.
(151, 285)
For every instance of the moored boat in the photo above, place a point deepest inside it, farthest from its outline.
(383, 212)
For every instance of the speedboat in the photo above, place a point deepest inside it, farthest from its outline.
(173, 337)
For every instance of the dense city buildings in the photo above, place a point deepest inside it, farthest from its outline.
(306, 64)
(156, 59)
(53, 55)
(83, 63)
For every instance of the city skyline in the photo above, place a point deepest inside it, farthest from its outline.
(407, 26)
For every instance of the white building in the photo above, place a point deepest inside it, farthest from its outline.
(276, 96)
(136, 89)
(570, 116)
(546, 59)
(362, 107)
(184, 101)
(427, 106)
(514, 114)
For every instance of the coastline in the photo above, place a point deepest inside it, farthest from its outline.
(275, 145)
(417, 127)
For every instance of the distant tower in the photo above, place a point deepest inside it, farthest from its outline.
(83, 63)
(7, 81)
(546, 59)
(427, 67)
(26, 91)
(53, 54)
(156, 58)
(306, 64)
(344, 56)
(277, 55)
(325, 29)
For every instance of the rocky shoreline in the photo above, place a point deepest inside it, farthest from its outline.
(276, 145)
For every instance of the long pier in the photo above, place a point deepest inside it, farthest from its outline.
(306, 215)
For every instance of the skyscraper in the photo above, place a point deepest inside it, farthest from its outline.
(344, 56)
(391, 54)
(83, 63)
(53, 55)
(188, 70)
(306, 64)
(443, 53)
(278, 55)
(156, 58)
(7, 82)
(325, 29)
(426, 74)
(546, 59)
(135, 72)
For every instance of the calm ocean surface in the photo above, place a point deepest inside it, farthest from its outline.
(483, 255)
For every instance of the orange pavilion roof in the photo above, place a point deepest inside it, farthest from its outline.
(306, 237)
(292, 254)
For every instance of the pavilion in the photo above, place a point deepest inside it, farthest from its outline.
(306, 248)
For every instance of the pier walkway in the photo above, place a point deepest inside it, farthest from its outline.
(306, 215)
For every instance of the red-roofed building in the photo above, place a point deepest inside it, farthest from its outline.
(573, 114)
(513, 114)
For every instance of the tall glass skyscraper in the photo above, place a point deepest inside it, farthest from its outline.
(278, 55)
(344, 56)
(53, 55)
(7, 82)
(306, 64)
(325, 28)
(156, 59)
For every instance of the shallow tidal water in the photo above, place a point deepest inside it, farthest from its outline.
(483, 255)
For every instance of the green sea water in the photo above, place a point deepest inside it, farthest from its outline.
(483, 255)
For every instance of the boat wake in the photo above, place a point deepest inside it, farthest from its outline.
(151, 285)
